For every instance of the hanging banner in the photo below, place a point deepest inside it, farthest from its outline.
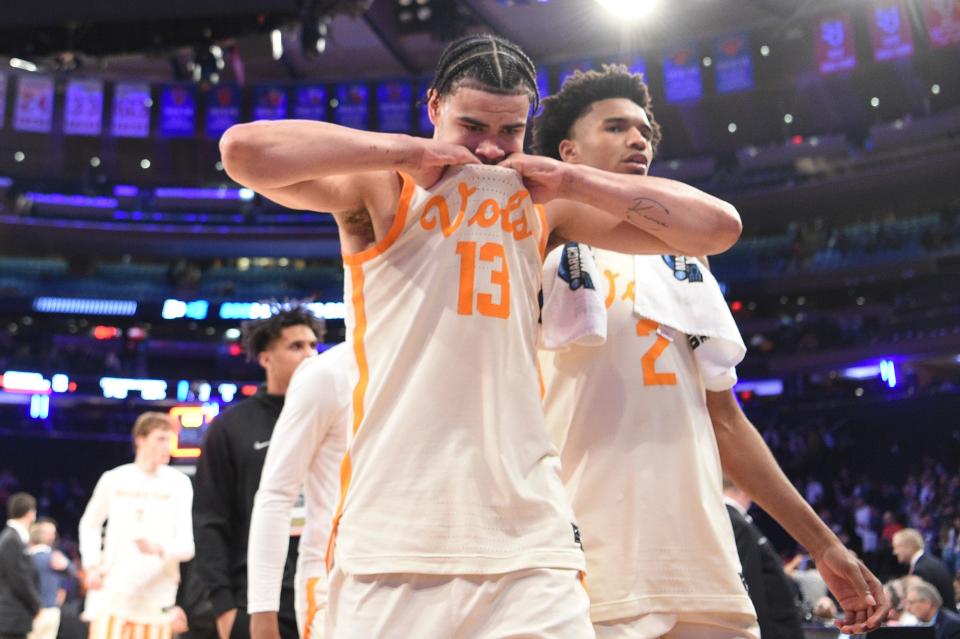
(394, 106)
(835, 46)
(682, 81)
(34, 109)
(310, 103)
(131, 110)
(890, 31)
(270, 103)
(352, 106)
(223, 109)
(943, 21)
(178, 111)
(734, 67)
(83, 109)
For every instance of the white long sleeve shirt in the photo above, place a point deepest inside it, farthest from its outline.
(306, 449)
(136, 505)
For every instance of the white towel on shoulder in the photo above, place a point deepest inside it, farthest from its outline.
(681, 293)
(573, 311)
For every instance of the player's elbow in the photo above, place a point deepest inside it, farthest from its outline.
(242, 151)
(727, 228)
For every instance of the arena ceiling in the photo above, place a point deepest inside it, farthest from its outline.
(148, 40)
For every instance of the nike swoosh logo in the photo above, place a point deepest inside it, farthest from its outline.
(261, 445)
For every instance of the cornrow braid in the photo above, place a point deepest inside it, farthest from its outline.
(489, 62)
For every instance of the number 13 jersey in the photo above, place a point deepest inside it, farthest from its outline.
(451, 469)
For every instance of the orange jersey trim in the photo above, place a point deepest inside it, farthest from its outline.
(311, 606)
(544, 230)
(359, 394)
(399, 221)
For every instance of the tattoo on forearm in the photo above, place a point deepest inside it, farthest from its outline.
(644, 208)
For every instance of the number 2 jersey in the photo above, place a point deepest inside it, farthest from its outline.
(451, 469)
(641, 465)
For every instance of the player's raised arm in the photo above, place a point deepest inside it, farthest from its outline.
(323, 166)
(603, 208)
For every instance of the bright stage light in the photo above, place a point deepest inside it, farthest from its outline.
(628, 9)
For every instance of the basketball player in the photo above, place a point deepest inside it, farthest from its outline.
(146, 505)
(452, 518)
(306, 447)
(642, 441)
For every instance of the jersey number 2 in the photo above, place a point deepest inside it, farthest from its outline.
(649, 360)
(489, 252)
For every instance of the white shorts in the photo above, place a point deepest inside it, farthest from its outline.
(681, 626)
(310, 605)
(538, 603)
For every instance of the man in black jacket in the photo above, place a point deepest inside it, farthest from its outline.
(19, 594)
(773, 594)
(228, 472)
(908, 549)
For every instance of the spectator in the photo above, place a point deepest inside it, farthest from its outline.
(924, 602)
(908, 549)
(19, 598)
(50, 565)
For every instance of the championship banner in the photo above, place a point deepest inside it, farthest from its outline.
(310, 103)
(178, 111)
(270, 103)
(223, 109)
(943, 21)
(131, 110)
(734, 67)
(352, 109)
(890, 31)
(835, 47)
(394, 106)
(3, 99)
(83, 109)
(682, 81)
(34, 109)
(423, 115)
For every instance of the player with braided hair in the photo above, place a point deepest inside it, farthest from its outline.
(452, 519)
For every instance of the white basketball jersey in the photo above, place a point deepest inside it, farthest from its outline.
(451, 469)
(640, 464)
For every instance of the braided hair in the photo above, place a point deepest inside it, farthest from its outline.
(575, 99)
(488, 63)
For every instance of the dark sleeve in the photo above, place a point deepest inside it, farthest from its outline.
(751, 563)
(213, 517)
(17, 570)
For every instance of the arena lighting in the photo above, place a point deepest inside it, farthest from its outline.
(23, 65)
(629, 9)
(40, 406)
(935, 89)
(120, 387)
(203, 392)
(80, 201)
(760, 387)
(25, 382)
(183, 390)
(227, 392)
(861, 372)
(262, 310)
(19, 156)
(248, 389)
(232, 333)
(105, 332)
(888, 373)
(59, 383)
(177, 309)
(190, 417)
(276, 44)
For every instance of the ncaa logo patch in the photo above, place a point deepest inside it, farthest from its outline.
(571, 268)
(683, 270)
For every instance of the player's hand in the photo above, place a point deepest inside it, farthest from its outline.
(59, 561)
(178, 620)
(544, 177)
(436, 154)
(92, 579)
(148, 547)
(264, 625)
(858, 591)
(225, 623)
